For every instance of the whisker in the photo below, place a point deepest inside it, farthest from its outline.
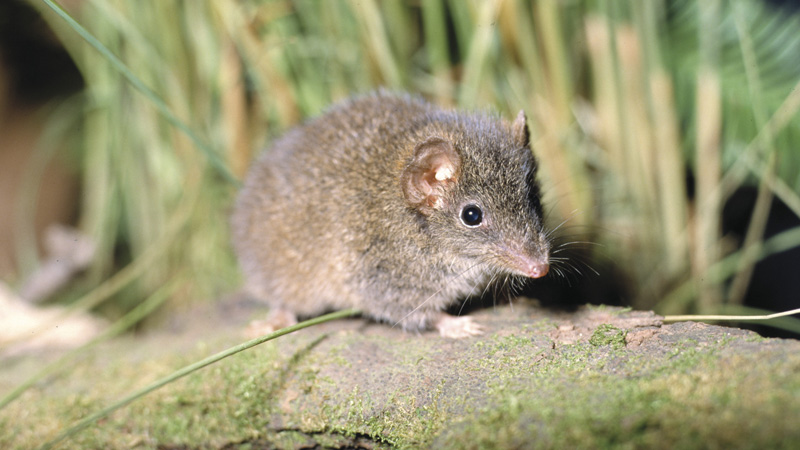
(433, 295)
(571, 216)
(572, 245)
(471, 292)
(550, 232)
(580, 262)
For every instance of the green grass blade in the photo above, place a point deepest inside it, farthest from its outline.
(162, 107)
(87, 421)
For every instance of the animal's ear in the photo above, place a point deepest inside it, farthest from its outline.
(432, 170)
(522, 135)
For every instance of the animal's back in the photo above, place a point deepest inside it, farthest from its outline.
(305, 208)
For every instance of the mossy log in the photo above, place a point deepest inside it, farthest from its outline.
(537, 378)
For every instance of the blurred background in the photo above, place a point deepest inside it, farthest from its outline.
(668, 135)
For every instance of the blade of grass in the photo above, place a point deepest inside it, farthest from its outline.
(782, 117)
(377, 40)
(162, 107)
(760, 214)
(549, 105)
(788, 323)
(708, 114)
(87, 421)
(435, 28)
(478, 55)
(680, 297)
(670, 167)
(548, 19)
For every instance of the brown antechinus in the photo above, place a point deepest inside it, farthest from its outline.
(394, 206)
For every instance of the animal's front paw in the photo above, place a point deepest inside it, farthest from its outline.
(457, 327)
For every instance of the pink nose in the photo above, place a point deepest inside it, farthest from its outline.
(538, 270)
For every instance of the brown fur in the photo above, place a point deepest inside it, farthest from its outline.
(360, 208)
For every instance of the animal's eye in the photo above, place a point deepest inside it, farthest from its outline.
(471, 215)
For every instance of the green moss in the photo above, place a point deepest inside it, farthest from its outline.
(563, 402)
(402, 421)
(607, 334)
(754, 337)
